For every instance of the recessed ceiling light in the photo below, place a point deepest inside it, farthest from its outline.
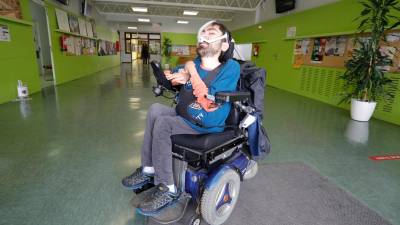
(190, 12)
(139, 9)
(132, 28)
(143, 20)
(182, 22)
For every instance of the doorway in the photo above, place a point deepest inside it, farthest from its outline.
(42, 42)
(135, 41)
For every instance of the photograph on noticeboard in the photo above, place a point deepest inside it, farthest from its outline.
(317, 54)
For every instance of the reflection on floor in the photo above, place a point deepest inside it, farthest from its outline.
(63, 154)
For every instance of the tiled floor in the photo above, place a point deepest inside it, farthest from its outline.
(63, 153)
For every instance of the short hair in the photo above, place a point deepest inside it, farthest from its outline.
(228, 54)
(223, 29)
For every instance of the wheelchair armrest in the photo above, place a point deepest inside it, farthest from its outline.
(232, 97)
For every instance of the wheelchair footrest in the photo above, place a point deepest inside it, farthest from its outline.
(173, 213)
(141, 195)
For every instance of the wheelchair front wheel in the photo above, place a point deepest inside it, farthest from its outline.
(219, 201)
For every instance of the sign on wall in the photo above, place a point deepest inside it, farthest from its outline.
(4, 33)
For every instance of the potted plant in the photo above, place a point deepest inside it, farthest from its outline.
(364, 77)
(167, 48)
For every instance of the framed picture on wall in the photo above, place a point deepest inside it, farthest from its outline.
(73, 24)
(82, 27)
(62, 20)
(89, 29)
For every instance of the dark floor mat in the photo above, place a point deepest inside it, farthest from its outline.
(295, 194)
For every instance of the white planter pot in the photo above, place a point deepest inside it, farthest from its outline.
(362, 111)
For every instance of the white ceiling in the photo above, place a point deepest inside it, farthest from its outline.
(165, 13)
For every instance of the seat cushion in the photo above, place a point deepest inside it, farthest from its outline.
(203, 142)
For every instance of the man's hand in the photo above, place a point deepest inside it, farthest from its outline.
(177, 78)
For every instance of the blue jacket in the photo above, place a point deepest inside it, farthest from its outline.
(226, 80)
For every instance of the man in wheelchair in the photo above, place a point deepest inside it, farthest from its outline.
(203, 148)
(197, 112)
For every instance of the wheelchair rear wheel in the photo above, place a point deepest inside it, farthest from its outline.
(219, 201)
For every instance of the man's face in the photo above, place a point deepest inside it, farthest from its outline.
(205, 49)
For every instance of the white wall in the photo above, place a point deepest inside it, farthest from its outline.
(266, 11)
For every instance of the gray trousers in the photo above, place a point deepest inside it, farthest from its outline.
(162, 122)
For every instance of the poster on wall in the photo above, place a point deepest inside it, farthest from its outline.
(317, 54)
(73, 24)
(335, 46)
(4, 33)
(10, 8)
(300, 51)
(180, 50)
(89, 29)
(62, 20)
(330, 46)
(291, 32)
(93, 28)
(82, 27)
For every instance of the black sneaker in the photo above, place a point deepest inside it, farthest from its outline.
(159, 200)
(137, 179)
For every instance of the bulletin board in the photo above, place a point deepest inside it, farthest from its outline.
(183, 50)
(335, 51)
(10, 8)
(188, 54)
(324, 52)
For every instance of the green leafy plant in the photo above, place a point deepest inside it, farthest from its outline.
(167, 48)
(365, 75)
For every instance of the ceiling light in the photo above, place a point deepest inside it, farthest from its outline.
(139, 9)
(190, 13)
(143, 20)
(132, 28)
(182, 22)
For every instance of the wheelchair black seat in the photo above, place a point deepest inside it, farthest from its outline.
(203, 142)
(203, 150)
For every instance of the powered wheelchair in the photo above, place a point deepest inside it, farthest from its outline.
(208, 168)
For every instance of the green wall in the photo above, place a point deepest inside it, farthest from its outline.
(18, 60)
(178, 39)
(73, 67)
(17, 57)
(276, 53)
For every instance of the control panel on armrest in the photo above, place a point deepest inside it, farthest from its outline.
(232, 96)
(160, 76)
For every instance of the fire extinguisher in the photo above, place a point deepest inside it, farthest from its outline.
(117, 46)
(63, 40)
(256, 50)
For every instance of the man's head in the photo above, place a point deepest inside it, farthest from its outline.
(213, 39)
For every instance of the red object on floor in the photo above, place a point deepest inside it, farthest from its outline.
(385, 157)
